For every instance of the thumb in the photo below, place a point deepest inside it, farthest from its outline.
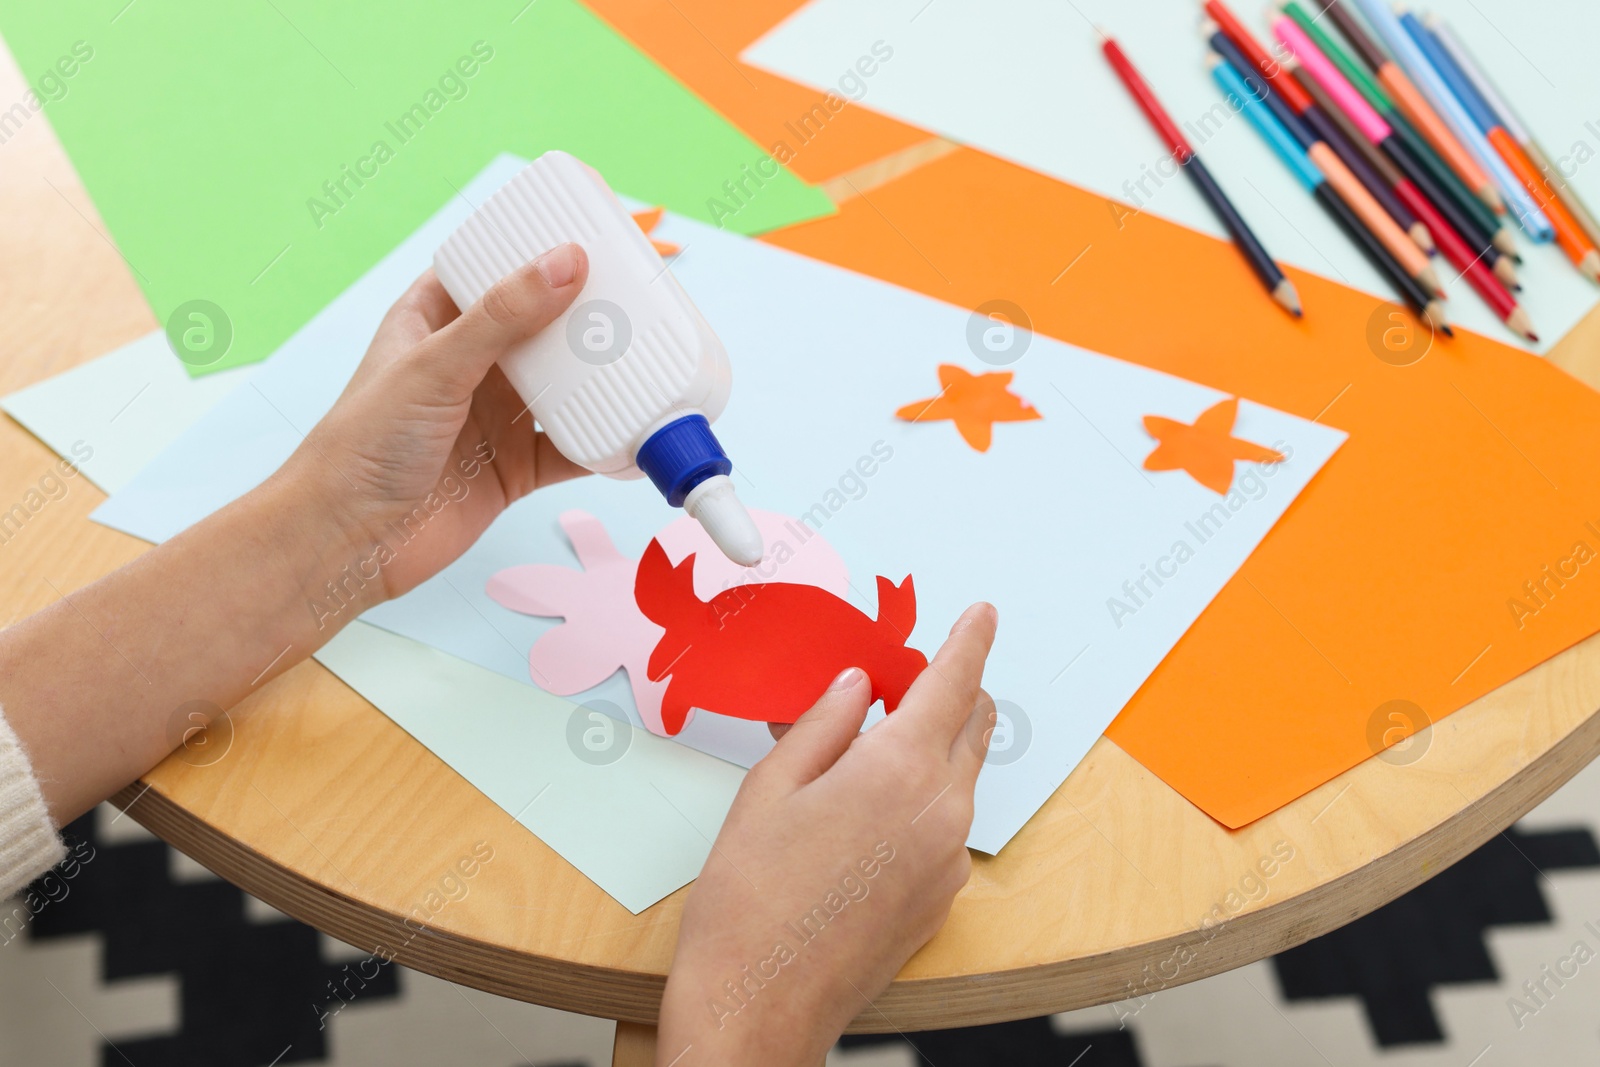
(820, 736)
(453, 361)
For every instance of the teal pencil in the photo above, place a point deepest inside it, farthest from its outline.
(1305, 168)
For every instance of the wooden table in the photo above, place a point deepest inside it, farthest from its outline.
(330, 812)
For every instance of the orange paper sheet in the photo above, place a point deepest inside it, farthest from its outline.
(1445, 550)
(1398, 573)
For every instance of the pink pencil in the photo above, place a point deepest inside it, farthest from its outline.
(1419, 180)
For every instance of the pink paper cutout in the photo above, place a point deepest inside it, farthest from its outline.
(605, 631)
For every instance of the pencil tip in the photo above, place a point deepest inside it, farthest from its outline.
(1519, 321)
(1433, 315)
(1287, 295)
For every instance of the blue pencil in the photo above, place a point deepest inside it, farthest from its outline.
(1253, 99)
(1476, 107)
(1410, 55)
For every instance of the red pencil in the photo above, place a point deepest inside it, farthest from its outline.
(1271, 275)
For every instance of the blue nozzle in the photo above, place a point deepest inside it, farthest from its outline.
(681, 455)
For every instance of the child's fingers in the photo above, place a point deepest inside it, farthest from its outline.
(940, 700)
(452, 362)
(820, 736)
(550, 466)
(423, 309)
(971, 744)
(427, 304)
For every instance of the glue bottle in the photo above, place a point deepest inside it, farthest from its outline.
(627, 381)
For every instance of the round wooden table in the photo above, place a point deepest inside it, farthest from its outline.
(1119, 887)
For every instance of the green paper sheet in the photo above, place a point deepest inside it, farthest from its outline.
(260, 157)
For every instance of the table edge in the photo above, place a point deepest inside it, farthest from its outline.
(916, 1004)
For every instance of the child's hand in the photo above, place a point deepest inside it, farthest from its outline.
(838, 860)
(428, 412)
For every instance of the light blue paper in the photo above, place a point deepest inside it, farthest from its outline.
(114, 414)
(639, 828)
(1054, 524)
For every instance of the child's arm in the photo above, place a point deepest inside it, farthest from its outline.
(93, 684)
(839, 859)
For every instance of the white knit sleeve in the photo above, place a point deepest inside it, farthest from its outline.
(29, 845)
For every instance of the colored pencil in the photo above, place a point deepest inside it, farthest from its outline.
(1271, 275)
(1459, 112)
(1460, 255)
(1385, 170)
(1458, 69)
(1311, 176)
(1407, 253)
(1519, 130)
(1420, 191)
(1403, 45)
(1258, 61)
(1329, 161)
(1448, 181)
(1410, 102)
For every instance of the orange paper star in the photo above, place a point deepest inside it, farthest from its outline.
(647, 221)
(974, 402)
(1207, 450)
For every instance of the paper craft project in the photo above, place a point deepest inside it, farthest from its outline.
(606, 819)
(765, 652)
(269, 219)
(974, 402)
(1389, 577)
(647, 221)
(1207, 450)
(1022, 234)
(889, 496)
(603, 629)
(1014, 55)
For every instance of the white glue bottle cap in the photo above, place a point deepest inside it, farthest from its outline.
(716, 507)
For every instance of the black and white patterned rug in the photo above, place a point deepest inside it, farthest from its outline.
(131, 954)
